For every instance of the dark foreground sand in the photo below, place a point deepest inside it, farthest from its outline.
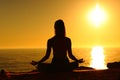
(108, 74)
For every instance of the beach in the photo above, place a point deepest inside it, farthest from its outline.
(107, 74)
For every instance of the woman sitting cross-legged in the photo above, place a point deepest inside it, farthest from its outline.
(61, 46)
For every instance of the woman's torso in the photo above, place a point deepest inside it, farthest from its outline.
(60, 47)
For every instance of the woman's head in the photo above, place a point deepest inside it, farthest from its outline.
(59, 28)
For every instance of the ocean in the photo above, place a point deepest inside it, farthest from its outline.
(18, 60)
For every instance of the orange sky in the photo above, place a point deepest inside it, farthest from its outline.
(29, 23)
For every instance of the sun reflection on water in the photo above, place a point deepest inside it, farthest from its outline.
(97, 58)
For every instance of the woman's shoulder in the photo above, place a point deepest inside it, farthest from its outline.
(67, 38)
(54, 38)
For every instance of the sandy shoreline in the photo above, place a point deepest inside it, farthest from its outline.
(108, 74)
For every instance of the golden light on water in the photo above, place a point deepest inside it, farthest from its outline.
(97, 16)
(97, 56)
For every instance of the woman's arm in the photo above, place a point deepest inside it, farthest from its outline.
(71, 55)
(70, 51)
(47, 52)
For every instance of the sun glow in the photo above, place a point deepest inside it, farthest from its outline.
(97, 56)
(97, 16)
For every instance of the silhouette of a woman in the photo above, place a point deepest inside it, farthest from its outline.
(61, 46)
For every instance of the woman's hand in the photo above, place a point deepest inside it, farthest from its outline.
(81, 60)
(34, 63)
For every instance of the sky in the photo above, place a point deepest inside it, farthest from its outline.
(30, 23)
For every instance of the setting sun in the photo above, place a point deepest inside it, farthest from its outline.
(97, 56)
(97, 16)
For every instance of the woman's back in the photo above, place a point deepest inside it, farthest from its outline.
(60, 46)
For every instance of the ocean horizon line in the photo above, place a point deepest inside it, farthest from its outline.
(72, 48)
